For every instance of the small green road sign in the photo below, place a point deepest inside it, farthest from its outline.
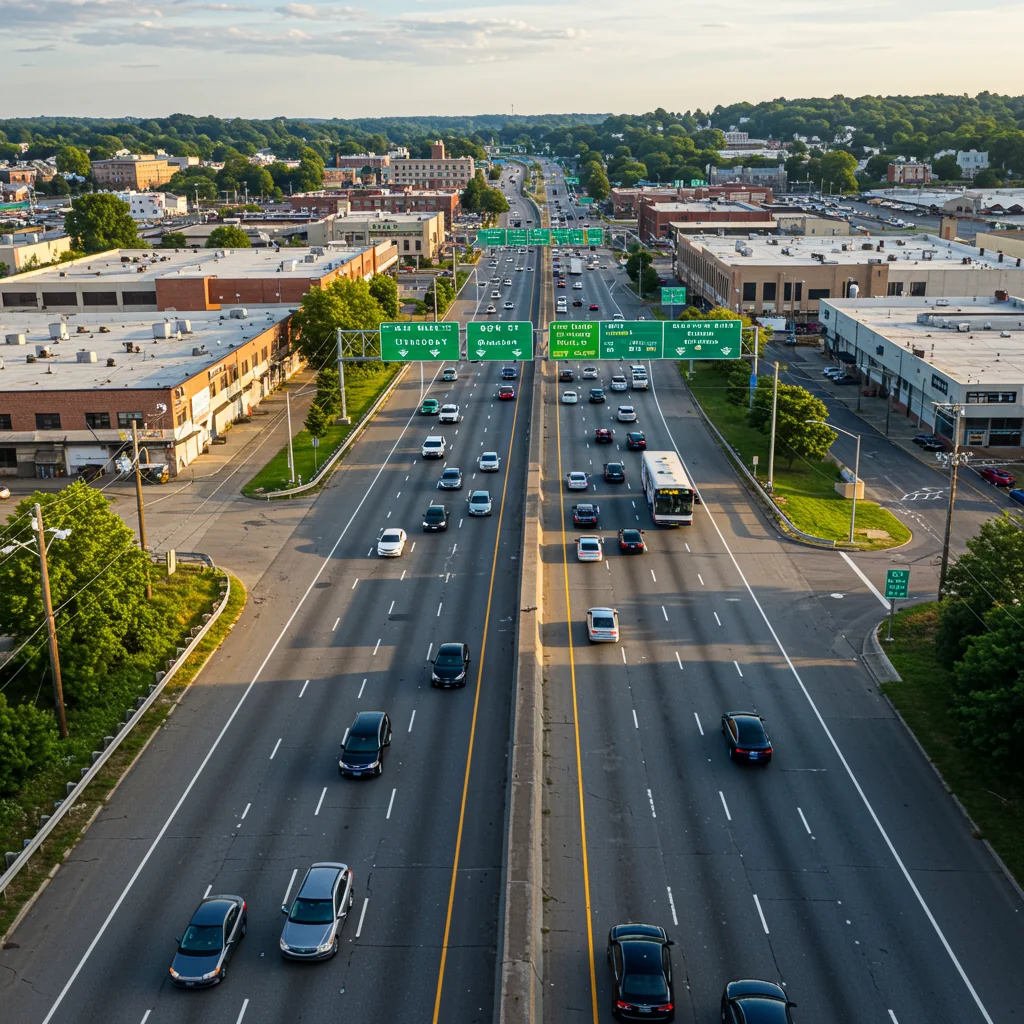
(593, 236)
(574, 339)
(572, 181)
(517, 236)
(559, 236)
(673, 296)
(490, 236)
(585, 200)
(621, 339)
(500, 340)
(577, 236)
(402, 343)
(702, 339)
(539, 236)
(697, 183)
(897, 584)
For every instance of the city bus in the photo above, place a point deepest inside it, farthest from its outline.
(667, 488)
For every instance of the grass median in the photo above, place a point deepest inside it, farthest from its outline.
(925, 699)
(804, 490)
(364, 384)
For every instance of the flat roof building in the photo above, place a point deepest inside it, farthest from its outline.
(655, 218)
(142, 173)
(931, 353)
(414, 234)
(27, 249)
(437, 171)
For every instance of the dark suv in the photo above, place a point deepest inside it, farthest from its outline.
(450, 665)
(508, 373)
(362, 753)
(435, 519)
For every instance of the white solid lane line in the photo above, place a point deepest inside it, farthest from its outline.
(241, 1012)
(651, 800)
(717, 619)
(391, 804)
(245, 812)
(760, 914)
(411, 720)
(274, 751)
(892, 1017)
(145, 1016)
(738, 669)
(679, 661)
(699, 726)
(336, 621)
(635, 722)
(303, 690)
(288, 891)
(665, 613)
(728, 816)
(320, 802)
(362, 915)
(804, 820)
(208, 888)
(672, 906)
(874, 590)
(429, 649)
(376, 647)
(392, 608)
(361, 688)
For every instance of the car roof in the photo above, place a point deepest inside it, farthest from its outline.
(752, 987)
(631, 529)
(213, 910)
(436, 507)
(584, 505)
(588, 538)
(451, 648)
(489, 455)
(391, 530)
(450, 470)
(366, 723)
(642, 954)
(320, 879)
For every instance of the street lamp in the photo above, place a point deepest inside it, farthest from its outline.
(856, 468)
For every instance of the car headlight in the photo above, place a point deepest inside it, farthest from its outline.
(211, 974)
(174, 974)
(284, 945)
(325, 947)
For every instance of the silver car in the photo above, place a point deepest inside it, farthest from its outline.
(317, 913)
(480, 503)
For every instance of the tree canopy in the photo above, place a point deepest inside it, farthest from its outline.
(794, 436)
(228, 236)
(99, 222)
(343, 303)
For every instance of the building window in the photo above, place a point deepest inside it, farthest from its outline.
(787, 291)
(769, 291)
(245, 366)
(799, 291)
(263, 354)
(1004, 434)
(818, 293)
(124, 419)
(60, 299)
(20, 299)
(917, 288)
(47, 421)
(895, 288)
(419, 245)
(182, 418)
(8, 458)
(99, 298)
(5, 421)
(139, 298)
(405, 245)
(97, 420)
(749, 291)
(991, 397)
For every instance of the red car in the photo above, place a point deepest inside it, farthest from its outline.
(506, 392)
(593, 305)
(561, 284)
(603, 435)
(999, 477)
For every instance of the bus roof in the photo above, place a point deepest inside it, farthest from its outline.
(665, 469)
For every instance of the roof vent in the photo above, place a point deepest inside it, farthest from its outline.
(15, 339)
(85, 356)
(111, 361)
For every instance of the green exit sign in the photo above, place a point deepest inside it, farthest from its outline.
(897, 584)
(673, 296)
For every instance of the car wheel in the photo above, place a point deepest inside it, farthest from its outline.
(334, 948)
(351, 898)
(245, 925)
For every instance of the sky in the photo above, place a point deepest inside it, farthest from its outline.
(320, 58)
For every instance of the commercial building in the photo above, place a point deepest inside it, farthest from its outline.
(790, 276)
(439, 171)
(27, 249)
(908, 173)
(134, 280)
(774, 178)
(18, 175)
(812, 226)
(412, 234)
(318, 205)
(139, 172)
(626, 201)
(72, 386)
(417, 201)
(971, 161)
(1010, 243)
(930, 354)
(655, 219)
(343, 177)
(153, 205)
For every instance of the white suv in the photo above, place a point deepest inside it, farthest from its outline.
(449, 414)
(434, 447)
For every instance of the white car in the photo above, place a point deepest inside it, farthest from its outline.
(509, 259)
(570, 398)
(449, 373)
(489, 462)
(480, 503)
(508, 282)
(577, 287)
(590, 373)
(434, 447)
(449, 414)
(496, 294)
(519, 270)
(589, 549)
(603, 625)
(626, 414)
(509, 304)
(492, 309)
(618, 384)
(577, 481)
(618, 316)
(391, 543)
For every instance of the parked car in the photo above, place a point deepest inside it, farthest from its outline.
(1017, 495)
(922, 438)
(999, 477)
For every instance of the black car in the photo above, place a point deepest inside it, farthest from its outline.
(577, 302)
(641, 964)
(450, 665)
(636, 441)
(632, 542)
(933, 445)
(585, 514)
(746, 736)
(212, 936)
(566, 376)
(509, 373)
(924, 438)
(362, 753)
(846, 380)
(614, 473)
(760, 1001)
(435, 518)
(596, 395)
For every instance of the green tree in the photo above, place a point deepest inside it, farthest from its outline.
(597, 184)
(328, 391)
(384, 288)
(838, 171)
(98, 581)
(494, 173)
(946, 168)
(192, 183)
(228, 236)
(641, 259)
(100, 221)
(445, 295)
(649, 281)
(72, 160)
(173, 240)
(987, 178)
(343, 303)
(317, 421)
(28, 739)
(737, 383)
(794, 436)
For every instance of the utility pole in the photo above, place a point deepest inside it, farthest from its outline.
(341, 379)
(291, 454)
(771, 444)
(51, 629)
(954, 463)
(756, 330)
(138, 501)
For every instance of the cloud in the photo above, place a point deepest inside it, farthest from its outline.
(45, 48)
(133, 66)
(311, 12)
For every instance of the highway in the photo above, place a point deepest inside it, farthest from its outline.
(240, 792)
(842, 870)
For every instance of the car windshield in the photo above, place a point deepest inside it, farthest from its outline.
(361, 744)
(490, 456)
(680, 503)
(644, 987)
(391, 537)
(435, 513)
(603, 622)
(201, 939)
(588, 545)
(312, 911)
(451, 474)
(448, 661)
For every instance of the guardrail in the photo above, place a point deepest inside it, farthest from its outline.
(132, 718)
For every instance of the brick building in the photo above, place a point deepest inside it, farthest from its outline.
(318, 205)
(655, 219)
(18, 175)
(417, 201)
(142, 173)
(907, 173)
(437, 171)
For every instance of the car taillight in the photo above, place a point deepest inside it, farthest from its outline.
(620, 1005)
(667, 1007)
(740, 750)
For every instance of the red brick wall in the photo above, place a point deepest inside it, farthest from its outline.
(73, 405)
(183, 293)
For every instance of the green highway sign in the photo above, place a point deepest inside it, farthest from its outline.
(517, 236)
(585, 200)
(572, 181)
(539, 236)
(504, 340)
(629, 338)
(574, 339)
(490, 236)
(897, 584)
(702, 339)
(593, 236)
(402, 343)
(673, 296)
(697, 183)
(559, 236)
(577, 236)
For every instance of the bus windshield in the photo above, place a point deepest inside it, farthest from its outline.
(674, 502)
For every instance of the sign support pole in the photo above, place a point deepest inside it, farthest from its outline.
(892, 615)
(341, 380)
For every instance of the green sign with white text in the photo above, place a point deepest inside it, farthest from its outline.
(673, 296)
(585, 200)
(405, 342)
(517, 236)
(702, 339)
(572, 181)
(490, 236)
(697, 183)
(897, 584)
(539, 236)
(574, 339)
(593, 236)
(628, 338)
(500, 340)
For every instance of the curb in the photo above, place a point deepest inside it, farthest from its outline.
(868, 656)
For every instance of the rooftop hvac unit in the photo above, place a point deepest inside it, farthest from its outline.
(1002, 334)
(1001, 295)
(963, 328)
(44, 352)
(14, 339)
(111, 361)
(162, 330)
(746, 251)
(238, 314)
(892, 257)
(316, 250)
(85, 356)
(59, 332)
(919, 352)
(183, 326)
(30, 358)
(81, 329)
(103, 329)
(739, 246)
(309, 258)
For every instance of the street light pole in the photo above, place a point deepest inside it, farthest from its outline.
(856, 469)
(954, 463)
(139, 503)
(51, 629)
(771, 444)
